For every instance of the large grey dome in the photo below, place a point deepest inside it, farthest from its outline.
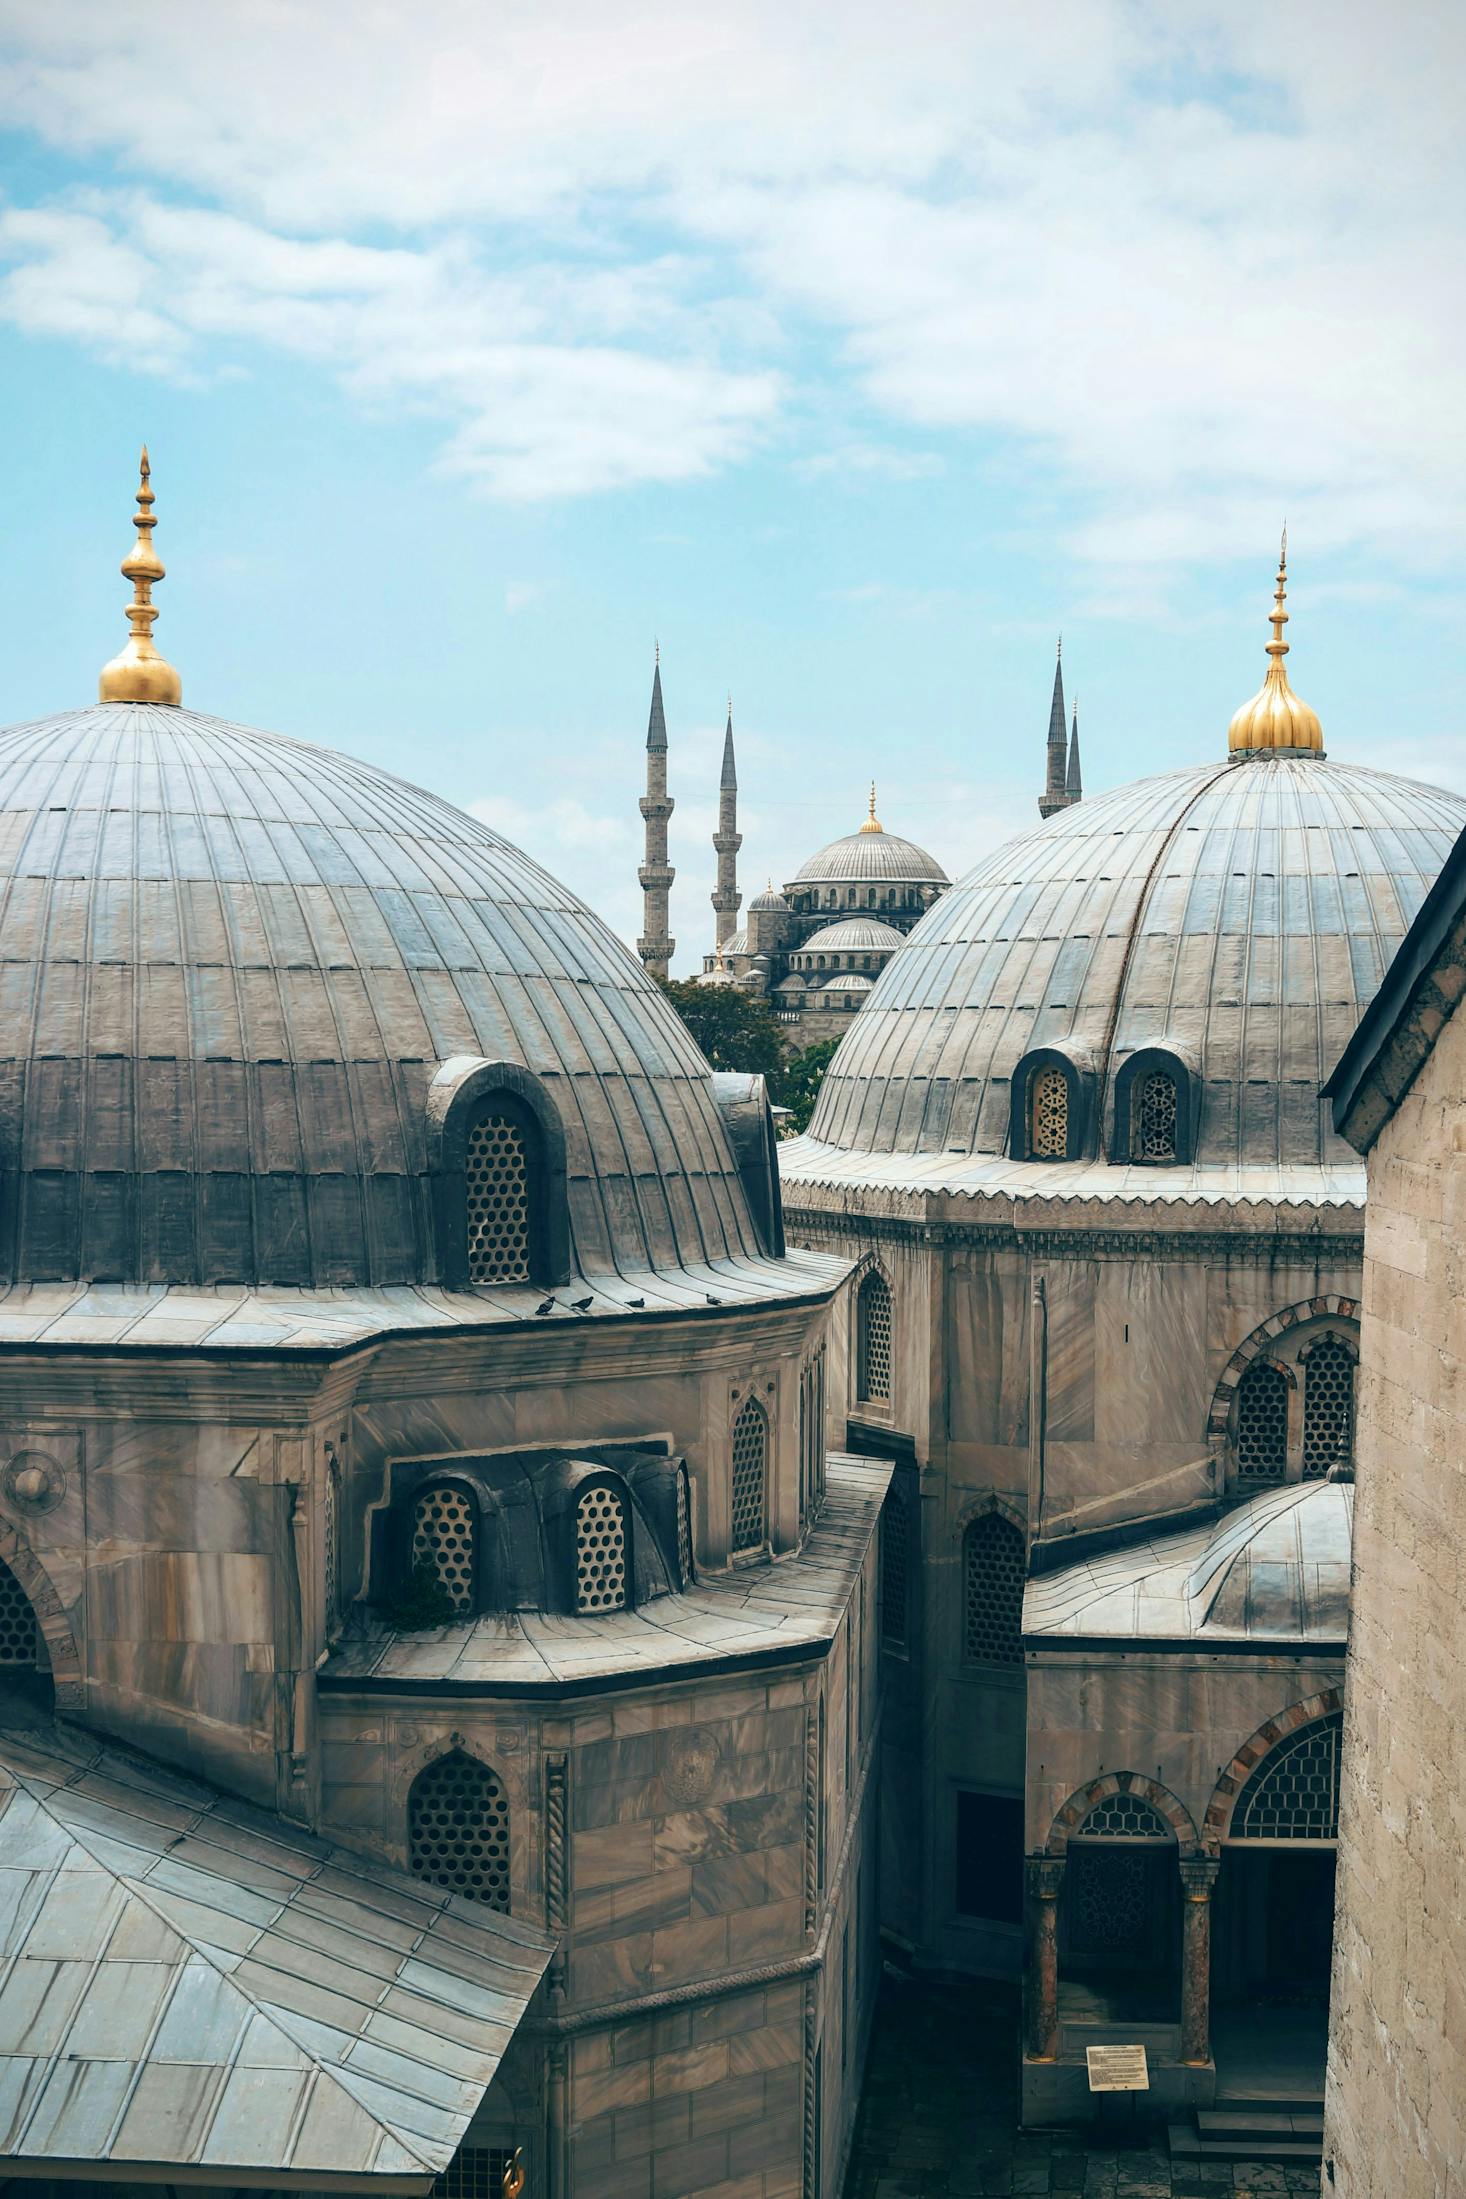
(233, 965)
(867, 856)
(1241, 914)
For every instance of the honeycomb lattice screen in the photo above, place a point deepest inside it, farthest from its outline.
(497, 1183)
(458, 1829)
(1155, 1118)
(475, 2172)
(1123, 1817)
(442, 1537)
(750, 1457)
(19, 1634)
(1262, 1422)
(873, 1338)
(1294, 1792)
(600, 1551)
(993, 1564)
(1328, 1406)
(895, 1562)
(1048, 1110)
(684, 1527)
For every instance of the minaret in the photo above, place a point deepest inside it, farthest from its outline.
(1055, 795)
(727, 840)
(1073, 783)
(656, 874)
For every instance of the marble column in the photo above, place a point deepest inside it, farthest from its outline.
(1198, 1878)
(1045, 1884)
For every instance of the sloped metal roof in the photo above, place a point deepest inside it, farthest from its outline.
(1276, 1569)
(232, 965)
(190, 1984)
(1240, 913)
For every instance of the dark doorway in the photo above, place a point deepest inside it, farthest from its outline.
(1275, 1926)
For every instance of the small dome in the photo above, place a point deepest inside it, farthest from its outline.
(793, 983)
(770, 899)
(872, 857)
(736, 943)
(849, 981)
(854, 935)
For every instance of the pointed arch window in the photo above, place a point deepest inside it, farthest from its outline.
(1262, 1422)
(895, 1563)
(458, 1829)
(1328, 1404)
(873, 1336)
(994, 1564)
(445, 1541)
(20, 1637)
(601, 1570)
(750, 1470)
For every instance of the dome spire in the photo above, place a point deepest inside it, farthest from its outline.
(872, 822)
(138, 673)
(1276, 721)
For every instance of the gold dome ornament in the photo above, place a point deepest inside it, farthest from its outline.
(1276, 722)
(872, 822)
(138, 673)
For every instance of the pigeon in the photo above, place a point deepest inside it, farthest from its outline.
(712, 1301)
(582, 1305)
(546, 1305)
(636, 1301)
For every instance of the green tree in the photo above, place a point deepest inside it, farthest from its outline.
(799, 1083)
(734, 1030)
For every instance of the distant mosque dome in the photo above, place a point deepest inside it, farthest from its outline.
(855, 935)
(770, 900)
(871, 855)
(848, 981)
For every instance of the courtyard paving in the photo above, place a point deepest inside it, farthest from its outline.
(939, 2115)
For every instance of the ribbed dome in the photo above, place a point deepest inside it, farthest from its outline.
(1240, 913)
(854, 935)
(849, 981)
(877, 856)
(232, 966)
(770, 898)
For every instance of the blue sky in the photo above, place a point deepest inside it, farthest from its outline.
(851, 352)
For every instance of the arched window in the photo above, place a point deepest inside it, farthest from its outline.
(499, 1186)
(1155, 1116)
(1262, 1422)
(1328, 1404)
(1294, 1792)
(458, 1829)
(1048, 1115)
(20, 1637)
(993, 1568)
(684, 1527)
(600, 1550)
(443, 1541)
(750, 1462)
(895, 1563)
(873, 1339)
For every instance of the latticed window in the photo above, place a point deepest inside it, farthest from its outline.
(993, 1566)
(330, 1535)
(1123, 1817)
(1262, 1422)
(750, 1459)
(600, 1550)
(1328, 1405)
(895, 1559)
(19, 1634)
(873, 1338)
(1294, 1792)
(684, 1527)
(458, 1829)
(496, 1168)
(475, 2172)
(442, 1539)
(1110, 1903)
(1048, 1116)
(1155, 1117)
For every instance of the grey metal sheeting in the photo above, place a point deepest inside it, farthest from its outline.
(1242, 913)
(189, 1981)
(870, 855)
(1275, 1569)
(794, 1606)
(230, 965)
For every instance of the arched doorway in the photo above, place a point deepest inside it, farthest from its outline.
(1120, 1916)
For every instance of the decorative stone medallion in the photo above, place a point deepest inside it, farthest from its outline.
(689, 1759)
(33, 1482)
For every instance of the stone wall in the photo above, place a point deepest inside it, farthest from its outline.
(1396, 2102)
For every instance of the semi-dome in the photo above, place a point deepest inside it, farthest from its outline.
(1237, 916)
(871, 855)
(236, 970)
(849, 981)
(854, 935)
(770, 899)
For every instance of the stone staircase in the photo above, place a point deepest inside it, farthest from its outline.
(1262, 2129)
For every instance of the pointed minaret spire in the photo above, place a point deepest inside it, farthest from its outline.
(656, 946)
(138, 673)
(1073, 783)
(1053, 796)
(727, 840)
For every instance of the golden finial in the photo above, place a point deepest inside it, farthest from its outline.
(872, 822)
(1276, 721)
(512, 2181)
(139, 674)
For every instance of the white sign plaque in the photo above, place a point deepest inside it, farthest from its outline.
(1117, 2069)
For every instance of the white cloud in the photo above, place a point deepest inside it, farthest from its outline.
(1193, 261)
